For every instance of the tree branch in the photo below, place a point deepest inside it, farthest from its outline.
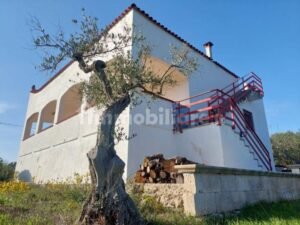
(99, 68)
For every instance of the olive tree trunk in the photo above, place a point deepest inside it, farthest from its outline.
(108, 203)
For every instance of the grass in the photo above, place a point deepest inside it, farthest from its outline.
(23, 204)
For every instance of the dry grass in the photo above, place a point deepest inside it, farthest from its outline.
(61, 204)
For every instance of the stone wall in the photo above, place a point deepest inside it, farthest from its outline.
(169, 195)
(216, 189)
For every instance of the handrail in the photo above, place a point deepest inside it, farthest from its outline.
(242, 85)
(198, 95)
(255, 150)
(254, 138)
(244, 79)
(250, 81)
(248, 128)
(216, 104)
(251, 130)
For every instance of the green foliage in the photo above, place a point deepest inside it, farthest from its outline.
(7, 170)
(286, 147)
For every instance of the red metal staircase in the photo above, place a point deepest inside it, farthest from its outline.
(221, 106)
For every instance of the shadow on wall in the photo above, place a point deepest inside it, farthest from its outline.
(25, 176)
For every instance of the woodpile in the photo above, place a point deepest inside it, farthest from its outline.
(157, 169)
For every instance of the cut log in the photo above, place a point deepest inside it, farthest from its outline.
(142, 167)
(148, 169)
(173, 175)
(156, 169)
(163, 174)
(153, 174)
(168, 165)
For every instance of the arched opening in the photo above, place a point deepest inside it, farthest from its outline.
(177, 92)
(31, 125)
(70, 103)
(47, 116)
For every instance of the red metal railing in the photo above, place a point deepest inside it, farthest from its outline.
(239, 89)
(197, 110)
(219, 105)
(238, 122)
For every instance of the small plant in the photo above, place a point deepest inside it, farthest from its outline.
(13, 186)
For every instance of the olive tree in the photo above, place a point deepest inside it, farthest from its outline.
(111, 86)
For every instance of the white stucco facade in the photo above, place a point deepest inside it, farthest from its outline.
(59, 151)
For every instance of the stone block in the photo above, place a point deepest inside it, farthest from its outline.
(263, 195)
(274, 195)
(255, 183)
(190, 183)
(266, 183)
(242, 183)
(288, 195)
(228, 183)
(205, 203)
(230, 200)
(283, 183)
(189, 204)
(208, 183)
(251, 197)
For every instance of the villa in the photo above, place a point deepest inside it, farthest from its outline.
(213, 117)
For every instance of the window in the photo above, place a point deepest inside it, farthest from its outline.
(47, 116)
(70, 103)
(31, 125)
(249, 118)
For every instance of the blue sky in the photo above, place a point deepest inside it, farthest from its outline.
(258, 35)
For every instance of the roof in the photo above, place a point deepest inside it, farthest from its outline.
(147, 16)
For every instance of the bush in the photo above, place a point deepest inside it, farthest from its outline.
(286, 147)
(7, 170)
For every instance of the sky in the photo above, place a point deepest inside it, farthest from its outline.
(258, 35)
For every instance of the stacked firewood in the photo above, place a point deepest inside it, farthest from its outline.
(157, 169)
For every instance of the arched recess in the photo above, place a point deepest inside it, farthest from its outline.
(31, 125)
(47, 116)
(160, 67)
(70, 103)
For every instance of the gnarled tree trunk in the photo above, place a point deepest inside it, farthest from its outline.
(108, 203)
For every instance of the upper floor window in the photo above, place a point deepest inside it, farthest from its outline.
(47, 116)
(70, 103)
(31, 125)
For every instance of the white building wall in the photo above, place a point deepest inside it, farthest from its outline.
(236, 154)
(201, 144)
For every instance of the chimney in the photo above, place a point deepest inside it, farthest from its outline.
(208, 47)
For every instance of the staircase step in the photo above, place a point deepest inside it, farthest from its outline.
(246, 145)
